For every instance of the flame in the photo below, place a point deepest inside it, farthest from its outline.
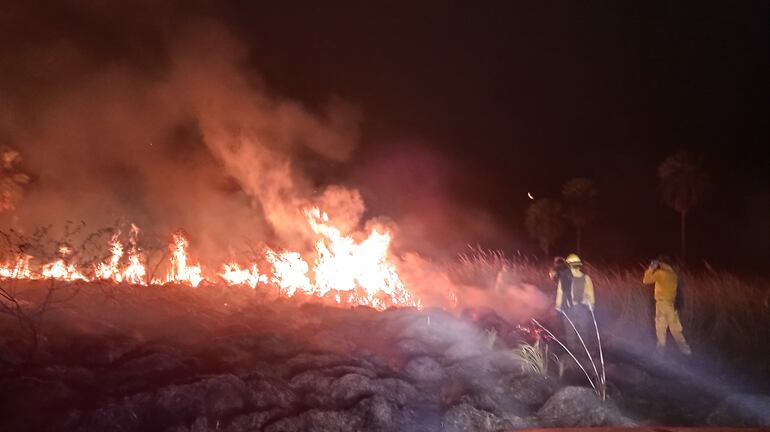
(344, 270)
(60, 271)
(362, 269)
(290, 272)
(234, 275)
(109, 270)
(19, 270)
(180, 272)
(134, 272)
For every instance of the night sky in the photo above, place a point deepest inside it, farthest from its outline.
(479, 105)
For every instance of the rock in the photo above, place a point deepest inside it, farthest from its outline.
(473, 372)
(378, 414)
(252, 421)
(306, 361)
(497, 400)
(424, 370)
(742, 410)
(311, 381)
(411, 348)
(465, 418)
(352, 387)
(214, 397)
(316, 420)
(373, 414)
(339, 371)
(530, 389)
(270, 393)
(396, 390)
(579, 406)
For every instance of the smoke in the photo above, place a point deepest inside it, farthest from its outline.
(197, 141)
(171, 126)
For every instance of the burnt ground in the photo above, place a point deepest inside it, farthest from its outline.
(225, 359)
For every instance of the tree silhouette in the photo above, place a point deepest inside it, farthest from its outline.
(580, 196)
(544, 222)
(683, 183)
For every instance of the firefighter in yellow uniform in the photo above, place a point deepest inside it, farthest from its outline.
(575, 297)
(665, 278)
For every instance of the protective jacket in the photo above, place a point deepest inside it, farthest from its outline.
(665, 280)
(581, 291)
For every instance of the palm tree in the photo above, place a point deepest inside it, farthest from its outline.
(544, 222)
(580, 196)
(683, 184)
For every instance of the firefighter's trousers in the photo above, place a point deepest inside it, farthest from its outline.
(667, 318)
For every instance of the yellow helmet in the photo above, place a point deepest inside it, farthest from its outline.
(573, 260)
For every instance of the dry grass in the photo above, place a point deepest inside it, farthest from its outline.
(723, 312)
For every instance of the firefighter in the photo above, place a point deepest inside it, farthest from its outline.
(662, 274)
(575, 297)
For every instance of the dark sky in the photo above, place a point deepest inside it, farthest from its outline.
(504, 98)
(521, 96)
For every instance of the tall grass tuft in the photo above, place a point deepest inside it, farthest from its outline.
(534, 357)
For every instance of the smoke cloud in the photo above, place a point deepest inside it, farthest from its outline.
(168, 124)
(197, 141)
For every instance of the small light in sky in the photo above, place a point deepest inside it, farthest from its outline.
(529, 194)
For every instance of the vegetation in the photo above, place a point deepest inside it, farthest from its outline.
(535, 356)
(722, 312)
(544, 222)
(580, 198)
(683, 183)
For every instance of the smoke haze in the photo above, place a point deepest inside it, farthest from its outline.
(197, 141)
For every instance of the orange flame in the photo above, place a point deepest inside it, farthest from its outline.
(234, 275)
(180, 271)
(343, 270)
(290, 272)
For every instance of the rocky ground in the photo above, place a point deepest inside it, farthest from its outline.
(213, 359)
